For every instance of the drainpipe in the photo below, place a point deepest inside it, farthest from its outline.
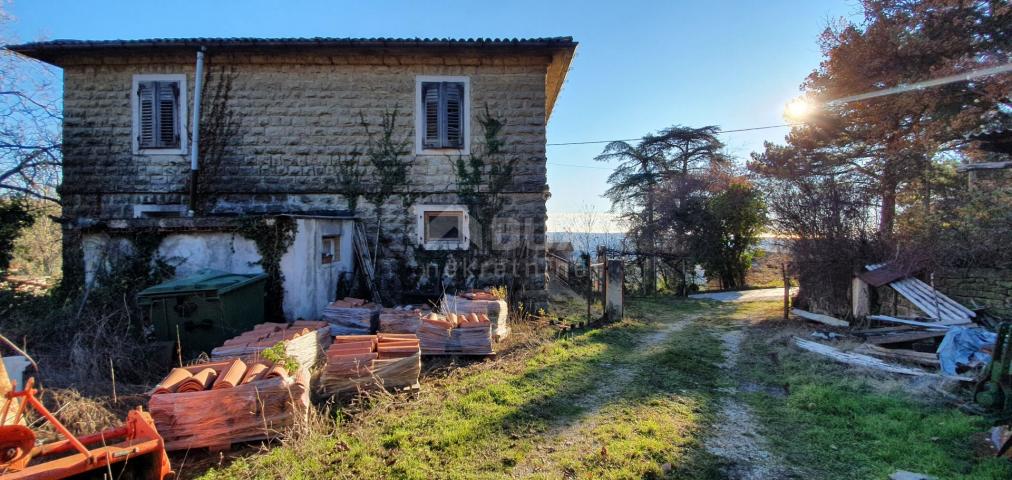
(198, 85)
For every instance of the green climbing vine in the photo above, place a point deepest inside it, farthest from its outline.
(387, 154)
(272, 236)
(483, 177)
(351, 177)
(219, 131)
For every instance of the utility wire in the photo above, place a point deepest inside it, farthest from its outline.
(959, 77)
(637, 139)
(579, 166)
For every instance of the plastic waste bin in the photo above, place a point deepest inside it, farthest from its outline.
(204, 310)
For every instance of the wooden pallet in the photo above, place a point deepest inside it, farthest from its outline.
(450, 353)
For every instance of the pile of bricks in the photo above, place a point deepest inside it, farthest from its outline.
(216, 376)
(304, 340)
(455, 334)
(403, 319)
(482, 303)
(354, 362)
(216, 404)
(351, 316)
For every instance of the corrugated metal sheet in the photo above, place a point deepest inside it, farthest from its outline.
(935, 305)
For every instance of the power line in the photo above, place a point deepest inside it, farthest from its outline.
(589, 142)
(579, 166)
(635, 139)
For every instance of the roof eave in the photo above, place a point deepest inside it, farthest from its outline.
(52, 51)
(555, 77)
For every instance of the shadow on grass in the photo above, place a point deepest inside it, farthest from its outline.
(484, 424)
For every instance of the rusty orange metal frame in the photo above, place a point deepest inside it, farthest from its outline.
(138, 438)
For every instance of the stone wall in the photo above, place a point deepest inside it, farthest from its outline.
(298, 114)
(979, 287)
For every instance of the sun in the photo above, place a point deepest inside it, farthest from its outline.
(798, 110)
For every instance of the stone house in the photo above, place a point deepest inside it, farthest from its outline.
(407, 167)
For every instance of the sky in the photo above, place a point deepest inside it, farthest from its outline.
(640, 66)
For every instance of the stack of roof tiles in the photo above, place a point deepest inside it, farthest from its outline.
(351, 316)
(304, 341)
(220, 403)
(354, 362)
(403, 319)
(482, 303)
(455, 334)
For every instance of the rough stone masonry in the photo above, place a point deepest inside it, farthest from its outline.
(299, 107)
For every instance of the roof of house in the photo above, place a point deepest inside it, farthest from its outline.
(48, 49)
(560, 48)
(560, 246)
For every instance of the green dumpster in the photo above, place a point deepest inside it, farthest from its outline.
(204, 310)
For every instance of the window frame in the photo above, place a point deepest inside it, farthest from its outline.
(181, 109)
(335, 241)
(461, 244)
(159, 211)
(420, 148)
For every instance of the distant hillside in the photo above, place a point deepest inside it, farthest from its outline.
(580, 240)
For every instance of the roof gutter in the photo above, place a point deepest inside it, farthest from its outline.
(198, 86)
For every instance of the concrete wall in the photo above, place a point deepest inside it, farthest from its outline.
(309, 284)
(298, 114)
(227, 252)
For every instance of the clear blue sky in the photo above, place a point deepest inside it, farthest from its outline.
(640, 66)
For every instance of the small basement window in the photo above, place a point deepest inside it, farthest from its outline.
(330, 251)
(159, 114)
(159, 211)
(443, 227)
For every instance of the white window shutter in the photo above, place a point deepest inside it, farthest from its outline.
(146, 114)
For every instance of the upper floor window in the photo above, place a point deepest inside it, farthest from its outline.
(159, 114)
(442, 112)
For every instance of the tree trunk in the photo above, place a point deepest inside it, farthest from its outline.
(651, 275)
(887, 214)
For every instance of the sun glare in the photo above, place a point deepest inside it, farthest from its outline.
(798, 110)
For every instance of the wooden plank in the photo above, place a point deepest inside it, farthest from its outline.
(927, 359)
(887, 318)
(884, 330)
(866, 361)
(856, 358)
(820, 318)
(968, 167)
(904, 337)
(361, 247)
(860, 298)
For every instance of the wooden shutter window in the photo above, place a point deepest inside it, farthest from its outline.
(443, 104)
(159, 115)
(430, 102)
(454, 107)
(146, 115)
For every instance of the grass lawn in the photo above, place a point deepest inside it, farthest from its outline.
(636, 399)
(536, 412)
(838, 422)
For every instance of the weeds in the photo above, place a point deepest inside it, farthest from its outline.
(835, 422)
